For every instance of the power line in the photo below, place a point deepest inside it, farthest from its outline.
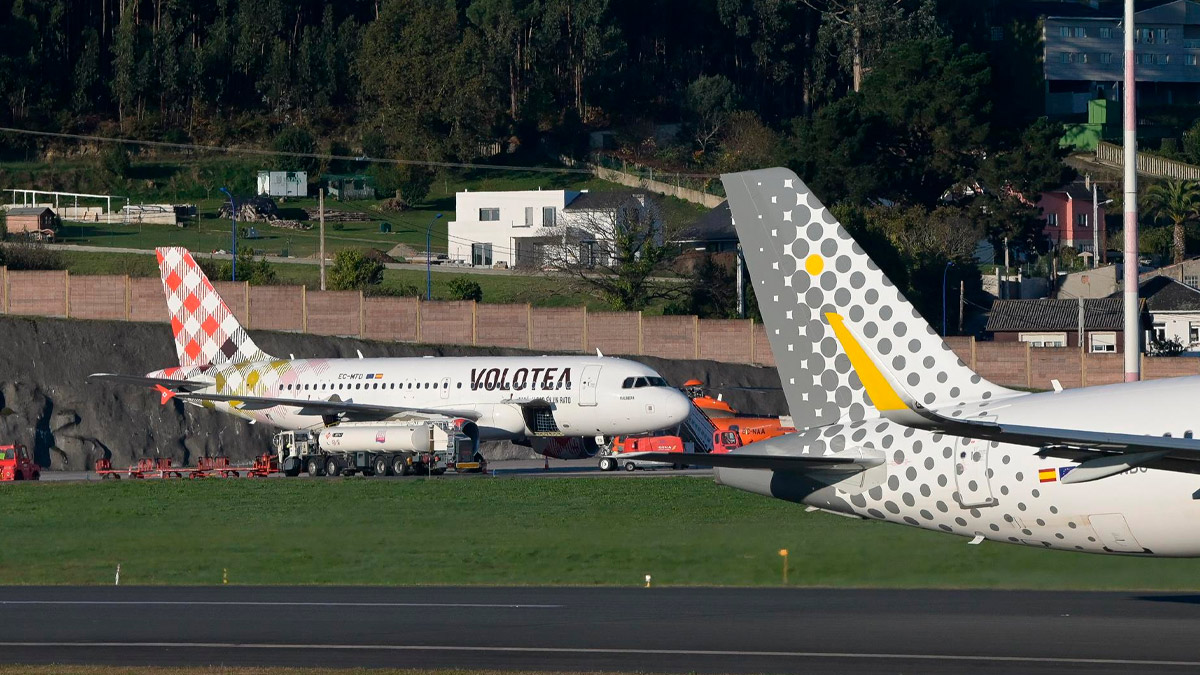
(317, 155)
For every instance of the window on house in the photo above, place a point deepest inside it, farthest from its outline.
(587, 253)
(1192, 280)
(489, 214)
(549, 216)
(1079, 31)
(1163, 35)
(1189, 59)
(1145, 36)
(1081, 219)
(528, 216)
(1193, 333)
(1044, 339)
(481, 254)
(1081, 57)
(1106, 32)
(1106, 58)
(1052, 219)
(1159, 331)
(1066, 57)
(1064, 31)
(1102, 343)
(1162, 59)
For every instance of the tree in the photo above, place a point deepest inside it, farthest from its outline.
(748, 143)
(352, 271)
(708, 102)
(115, 161)
(296, 140)
(1034, 165)
(855, 33)
(463, 288)
(619, 251)
(254, 271)
(1177, 202)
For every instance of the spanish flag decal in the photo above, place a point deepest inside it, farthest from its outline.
(1047, 475)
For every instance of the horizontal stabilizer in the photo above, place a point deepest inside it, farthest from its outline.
(794, 463)
(136, 380)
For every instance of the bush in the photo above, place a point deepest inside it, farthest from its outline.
(115, 161)
(22, 256)
(3, 227)
(352, 271)
(401, 290)
(256, 272)
(463, 288)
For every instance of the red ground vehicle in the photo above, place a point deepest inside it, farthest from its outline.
(15, 464)
(625, 450)
(748, 428)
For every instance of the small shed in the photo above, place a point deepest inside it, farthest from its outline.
(283, 183)
(30, 219)
(350, 186)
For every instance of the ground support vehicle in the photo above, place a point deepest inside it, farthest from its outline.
(213, 466)
(624, 452)
(375, 449)
(16, 464)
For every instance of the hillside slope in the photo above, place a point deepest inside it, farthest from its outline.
(46, 404)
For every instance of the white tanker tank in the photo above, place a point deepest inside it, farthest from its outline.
(381, 438)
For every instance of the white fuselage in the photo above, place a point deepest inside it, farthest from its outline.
(585, 394)
(1005, 492)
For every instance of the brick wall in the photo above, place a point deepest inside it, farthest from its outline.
(1004, 363)
(502, 325)
(390, 319)
(566, 329)
(762, 346)
(102, 297)
(558, 328)
(448, 323)
(613, 332)
(726, 340)
(671, 337)
(38, 293)
(277, 308)
(333, 312)
(147, 301)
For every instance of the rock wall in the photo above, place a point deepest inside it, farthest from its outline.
(46, 404)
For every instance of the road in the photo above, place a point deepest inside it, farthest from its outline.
(704, 630)
(525, 468)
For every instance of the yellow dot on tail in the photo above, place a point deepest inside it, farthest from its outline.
(813, 264)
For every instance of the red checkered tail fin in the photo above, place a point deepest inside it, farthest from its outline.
(206, 331)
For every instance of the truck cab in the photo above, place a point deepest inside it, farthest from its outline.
(16, 464)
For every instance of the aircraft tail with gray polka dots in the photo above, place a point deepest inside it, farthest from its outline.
(808, 273)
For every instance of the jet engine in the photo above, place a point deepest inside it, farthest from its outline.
(565, 447)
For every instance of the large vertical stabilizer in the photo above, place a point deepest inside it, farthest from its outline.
(804, 265)
(206, 332)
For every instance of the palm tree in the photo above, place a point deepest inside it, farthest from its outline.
(1177, 201)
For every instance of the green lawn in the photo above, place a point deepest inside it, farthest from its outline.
(497, 288)
(589, 531)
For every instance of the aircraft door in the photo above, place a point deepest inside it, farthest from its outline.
(588, 385)
(971, 473)
(445, 387)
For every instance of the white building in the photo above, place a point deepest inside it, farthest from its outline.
(283, 183)
(523, 228)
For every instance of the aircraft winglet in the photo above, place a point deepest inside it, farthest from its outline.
(166, 394)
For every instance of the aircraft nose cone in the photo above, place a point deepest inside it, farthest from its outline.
(677, 408)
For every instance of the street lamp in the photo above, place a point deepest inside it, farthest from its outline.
(428, 262)
(945, 271)
(233, 218)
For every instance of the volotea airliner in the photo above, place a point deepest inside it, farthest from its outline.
(556, 404)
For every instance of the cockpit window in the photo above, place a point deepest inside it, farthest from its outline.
(657, 382)
(639, 382)
(628, 383)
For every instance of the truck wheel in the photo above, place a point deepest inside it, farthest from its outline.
(608, 464)
(436, 472)
(400, 465)
(332, 468)
(630, 466)
(381, 465)
(313, 467)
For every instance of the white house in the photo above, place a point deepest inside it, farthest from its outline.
(283, 183)
(522, 228)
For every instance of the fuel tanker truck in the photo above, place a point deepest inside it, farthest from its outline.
(377, 449)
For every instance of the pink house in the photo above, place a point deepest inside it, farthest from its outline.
(1068, 215)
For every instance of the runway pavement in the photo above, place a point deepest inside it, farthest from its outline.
(709, 630)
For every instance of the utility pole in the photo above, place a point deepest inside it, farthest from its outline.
(1095, 227)
(741, 284)
(321, 208)
(1132, 332)
(962, 301)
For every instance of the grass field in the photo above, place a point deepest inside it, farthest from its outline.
(589, 531)
(497, 288)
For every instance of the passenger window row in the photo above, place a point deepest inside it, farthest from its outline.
(639, 382)
(369, 385)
